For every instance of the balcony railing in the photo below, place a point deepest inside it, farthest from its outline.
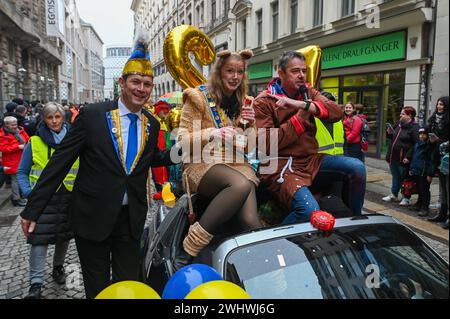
(214, 23)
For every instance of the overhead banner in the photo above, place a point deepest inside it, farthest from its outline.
(54, 16)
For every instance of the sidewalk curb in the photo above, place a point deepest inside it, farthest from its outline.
(5, 202)
(415, 228)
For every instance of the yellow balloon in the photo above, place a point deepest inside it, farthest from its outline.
(313, 55)
(219, 289)
(167, 195)
(174, 117)
(128, 290)
(180, 41)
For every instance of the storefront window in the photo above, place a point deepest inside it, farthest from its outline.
(394, 101)
(330, 83)
(379, 96)
(333, 91)
(396, 77)
(364, 80)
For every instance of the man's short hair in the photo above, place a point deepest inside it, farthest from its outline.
(20, 109)
(287, 57)
(10, 120)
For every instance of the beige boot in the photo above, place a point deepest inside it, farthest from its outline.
(196, 239)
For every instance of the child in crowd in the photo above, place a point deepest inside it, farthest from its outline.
(421, 170)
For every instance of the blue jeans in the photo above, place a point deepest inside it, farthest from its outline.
(398, 173)
(38, 255)
(336, 168)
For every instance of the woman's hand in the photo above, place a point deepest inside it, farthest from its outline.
(248, 114)
(28, 227)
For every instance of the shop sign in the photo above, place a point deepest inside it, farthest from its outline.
(389, 47)
(54, 17)
(260, 70)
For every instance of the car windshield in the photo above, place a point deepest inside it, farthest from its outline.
(369, 261)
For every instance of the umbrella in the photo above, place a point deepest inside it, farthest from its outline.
(173, 98)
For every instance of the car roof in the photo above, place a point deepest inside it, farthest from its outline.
(288, 230)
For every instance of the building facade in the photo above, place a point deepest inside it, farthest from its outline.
(380, 54)
(81, 73)
(159, 17)
(29, 60)
(439, 76)
(94, 63)
(58, 60)
(114, 62)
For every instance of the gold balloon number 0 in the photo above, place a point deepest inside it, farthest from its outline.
(179, 43)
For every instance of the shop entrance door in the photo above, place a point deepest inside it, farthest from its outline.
(369, 100)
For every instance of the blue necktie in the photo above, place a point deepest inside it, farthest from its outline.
(132, 141)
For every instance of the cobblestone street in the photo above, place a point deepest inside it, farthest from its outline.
(14, 267)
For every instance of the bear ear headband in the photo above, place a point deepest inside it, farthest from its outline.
(245, 54)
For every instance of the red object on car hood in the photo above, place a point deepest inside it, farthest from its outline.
(322, 220)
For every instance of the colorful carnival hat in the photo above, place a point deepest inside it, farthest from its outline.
(139, 62)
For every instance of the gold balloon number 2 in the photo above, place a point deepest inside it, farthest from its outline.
(179, 43)
(313, 56)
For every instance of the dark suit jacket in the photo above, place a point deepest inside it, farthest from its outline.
(101, 181)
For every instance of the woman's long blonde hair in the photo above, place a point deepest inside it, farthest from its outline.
(215, 84)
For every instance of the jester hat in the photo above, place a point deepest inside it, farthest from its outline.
(139, 61)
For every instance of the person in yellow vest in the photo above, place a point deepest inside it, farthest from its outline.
(330, 136)
(53, 225)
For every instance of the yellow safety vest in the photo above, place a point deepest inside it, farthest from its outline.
(328, 144)
(40, 160)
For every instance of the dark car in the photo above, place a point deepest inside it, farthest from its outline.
(365, 257)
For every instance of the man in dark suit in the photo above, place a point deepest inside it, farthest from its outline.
(116, 144)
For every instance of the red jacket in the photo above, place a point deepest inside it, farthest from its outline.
(352, 129)
(11, 153)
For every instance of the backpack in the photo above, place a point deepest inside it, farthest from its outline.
(409, 187)
(364, 133)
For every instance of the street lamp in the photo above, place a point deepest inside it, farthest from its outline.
(22, 70)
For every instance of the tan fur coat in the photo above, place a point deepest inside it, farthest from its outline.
(196, 113)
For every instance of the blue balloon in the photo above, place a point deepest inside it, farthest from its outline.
(188, 278)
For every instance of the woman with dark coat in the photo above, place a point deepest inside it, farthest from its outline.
(52, 227)
(438, 124)
(403, 138)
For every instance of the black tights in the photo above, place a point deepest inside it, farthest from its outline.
(232, 195)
